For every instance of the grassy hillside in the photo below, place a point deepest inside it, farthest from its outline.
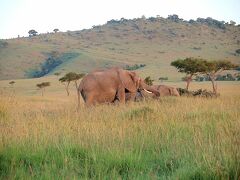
(154, 42)
(172, 138)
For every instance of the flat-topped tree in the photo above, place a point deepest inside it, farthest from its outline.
(32, 32)
(42, 86)
(65, 81)
(56, 30)
(213, 68)
(12, 83)
(191, 66)
(75, 78)
(71, 76)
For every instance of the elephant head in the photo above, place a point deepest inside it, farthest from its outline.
(133, 83)
(148, 89)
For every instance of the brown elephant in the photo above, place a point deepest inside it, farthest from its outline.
(162, 89)
(112, 84)
(166, 90)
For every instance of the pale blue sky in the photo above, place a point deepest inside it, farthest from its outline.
(19, 16)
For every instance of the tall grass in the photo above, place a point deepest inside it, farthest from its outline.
(175, 138)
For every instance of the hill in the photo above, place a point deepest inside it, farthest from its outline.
(154, 42)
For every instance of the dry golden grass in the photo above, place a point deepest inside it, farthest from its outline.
(171, 137)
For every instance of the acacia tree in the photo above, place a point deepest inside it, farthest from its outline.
(12, 83)
(65, 80)
(75, 78)
(56, 30)
(42, 86)
(191, 66)
(32, 32)
(71, 76)
(213, 68)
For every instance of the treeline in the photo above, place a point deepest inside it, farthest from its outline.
(134, 67)
(227, 77)
(207, 21)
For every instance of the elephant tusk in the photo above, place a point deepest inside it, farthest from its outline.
(147, 91)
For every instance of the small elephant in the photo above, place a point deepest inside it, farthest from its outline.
(166, 90)
(110, 85)
(162, 89)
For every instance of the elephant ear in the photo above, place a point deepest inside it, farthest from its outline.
(128, 80)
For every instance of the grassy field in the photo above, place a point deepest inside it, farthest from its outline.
(171, 138)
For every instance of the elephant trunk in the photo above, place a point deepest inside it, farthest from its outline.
(150, 89)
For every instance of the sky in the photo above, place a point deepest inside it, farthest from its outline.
(17, 17)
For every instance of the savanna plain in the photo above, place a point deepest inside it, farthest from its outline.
(170, 138)
(47, 137)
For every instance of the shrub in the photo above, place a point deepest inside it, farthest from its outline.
(212, 22)
(134, 67)
(238, 51)
(148, 81)
(163, 79)
(3, 44)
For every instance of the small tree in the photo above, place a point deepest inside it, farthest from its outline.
(12, 83)
(233, 23)
(75, 78)
(190, 66)
(213, 68)
(71, 76)
(148, 81)
(32, 32)
(56, 30)
(57, 73)
(66, 81)
(42, 86)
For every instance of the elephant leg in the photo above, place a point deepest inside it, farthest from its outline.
(90, 100)
(121, 94)
(132, 96)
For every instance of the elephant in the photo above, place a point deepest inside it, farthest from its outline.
(166, 90)
(109, 85)
(162, 89)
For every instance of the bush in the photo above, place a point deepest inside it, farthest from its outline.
(163, 78)
(238, 51)
(212, 22)
(228, 77)
(3, 44)
(148, 81)
(134, 67)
